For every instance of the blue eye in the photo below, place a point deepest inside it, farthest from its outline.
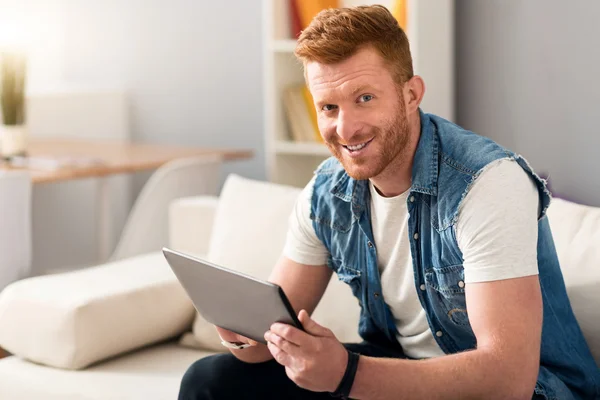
(328, 107)
(365, 98)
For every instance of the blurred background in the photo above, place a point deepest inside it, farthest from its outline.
(221, 74)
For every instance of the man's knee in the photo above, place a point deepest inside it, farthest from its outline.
(207, 377)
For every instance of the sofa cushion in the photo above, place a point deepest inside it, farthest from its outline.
(149, 373)
(74, 319)
(249, 233)
(576, 232)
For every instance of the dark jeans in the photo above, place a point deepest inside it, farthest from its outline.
(223, 376)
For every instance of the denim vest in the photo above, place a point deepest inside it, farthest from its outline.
(447, 161)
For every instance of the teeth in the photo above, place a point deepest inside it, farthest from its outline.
(357, 147)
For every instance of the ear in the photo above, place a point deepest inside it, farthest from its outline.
(414, 89)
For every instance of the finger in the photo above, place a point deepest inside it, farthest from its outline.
(247, 340)
(291, 334)
(311, 326)
(226, 334)
(279, 355)
(244, 339)
(288, 347)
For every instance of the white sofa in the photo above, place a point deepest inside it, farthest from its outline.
(123, 330)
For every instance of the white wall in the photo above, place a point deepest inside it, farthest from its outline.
(527, 76)
(36, 26)
(191, 68)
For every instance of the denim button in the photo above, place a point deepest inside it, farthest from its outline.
(370, 245)
(412, 199)
(416, 235)
(422, 287)
(439, 334)
(376, 294)
(461, 284)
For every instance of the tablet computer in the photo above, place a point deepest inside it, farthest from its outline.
(232, 300)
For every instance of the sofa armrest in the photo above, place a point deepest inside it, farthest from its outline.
(74, 319)
(190, 223)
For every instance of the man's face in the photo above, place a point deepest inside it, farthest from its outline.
(361, 112)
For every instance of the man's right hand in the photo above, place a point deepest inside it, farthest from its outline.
(304, 286)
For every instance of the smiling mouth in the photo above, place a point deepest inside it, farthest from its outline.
(358, 146)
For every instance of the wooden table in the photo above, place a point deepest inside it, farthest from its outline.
(109, 158)
(59, 160)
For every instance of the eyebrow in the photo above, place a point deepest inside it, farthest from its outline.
(361, 88)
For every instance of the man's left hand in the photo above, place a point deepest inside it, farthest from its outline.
(315, 360)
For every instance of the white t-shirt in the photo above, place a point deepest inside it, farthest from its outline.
(496, 231)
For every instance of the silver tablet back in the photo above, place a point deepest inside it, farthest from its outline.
(229, 299)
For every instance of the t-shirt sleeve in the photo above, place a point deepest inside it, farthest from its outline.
(302, 244)
(497, 226)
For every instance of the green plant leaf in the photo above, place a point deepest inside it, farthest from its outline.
(13, 69)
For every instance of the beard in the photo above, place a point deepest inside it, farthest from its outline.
(390, 143)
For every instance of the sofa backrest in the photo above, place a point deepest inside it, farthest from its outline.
(576, 232)
(249, 233)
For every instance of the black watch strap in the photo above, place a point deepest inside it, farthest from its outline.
(343, 389)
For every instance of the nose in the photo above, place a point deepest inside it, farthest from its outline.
(347, 125)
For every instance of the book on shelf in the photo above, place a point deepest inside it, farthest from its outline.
(312, 112)
(301, 114)
(295, 22)
(303, 11)
(399, 10)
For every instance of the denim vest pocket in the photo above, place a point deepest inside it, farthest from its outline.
(447, 285)
(335, 219)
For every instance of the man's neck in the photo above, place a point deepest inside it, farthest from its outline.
(396, 178)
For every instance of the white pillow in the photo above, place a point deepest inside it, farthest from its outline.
(576, 232)
(249, 234)
(74, 319)
(250, 225)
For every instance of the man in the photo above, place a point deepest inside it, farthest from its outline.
(441, 235)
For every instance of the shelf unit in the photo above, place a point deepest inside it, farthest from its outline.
(283, 45)
(293, 148)
(431, 34)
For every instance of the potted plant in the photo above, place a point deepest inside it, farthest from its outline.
(13, 130)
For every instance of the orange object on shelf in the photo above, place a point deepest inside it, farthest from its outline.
(308, 9)
(400, 12)
(295, 22)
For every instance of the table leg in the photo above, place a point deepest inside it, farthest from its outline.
(104, 219)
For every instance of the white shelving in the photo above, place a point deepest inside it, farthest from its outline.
(288, 147)
(431, 34)
(283, 45)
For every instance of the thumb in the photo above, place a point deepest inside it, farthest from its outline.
(311, 327)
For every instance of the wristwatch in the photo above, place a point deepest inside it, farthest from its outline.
(234, 345)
